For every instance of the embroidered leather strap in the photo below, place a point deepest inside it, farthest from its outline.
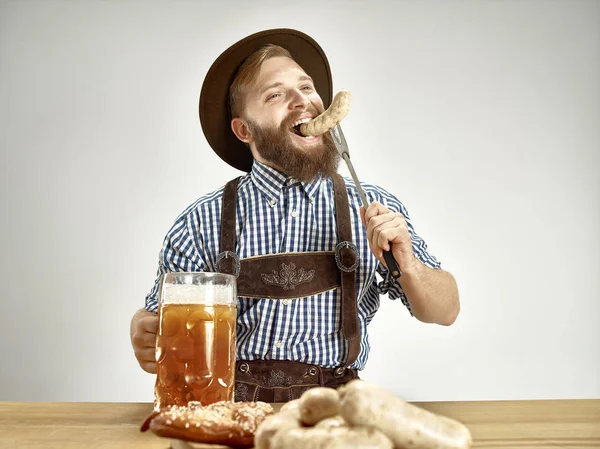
(288, 275)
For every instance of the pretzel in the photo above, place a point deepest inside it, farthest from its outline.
(334, 114)
(228, 423)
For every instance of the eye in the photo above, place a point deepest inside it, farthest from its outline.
(273, 96)
(307, 88)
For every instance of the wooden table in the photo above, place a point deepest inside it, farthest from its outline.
(493, 424)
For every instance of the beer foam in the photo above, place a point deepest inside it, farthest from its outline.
(197, 294)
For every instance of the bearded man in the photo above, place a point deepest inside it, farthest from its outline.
(292, 209)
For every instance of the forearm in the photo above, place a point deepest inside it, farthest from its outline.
(432, 294)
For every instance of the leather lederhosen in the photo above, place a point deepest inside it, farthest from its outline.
(288, 276)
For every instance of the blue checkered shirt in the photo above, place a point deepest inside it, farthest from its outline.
(277, 214)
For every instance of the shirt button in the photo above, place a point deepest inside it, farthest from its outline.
(278, 344)
(312, 199)
(285, 302)
(272, 202)
(294, 213)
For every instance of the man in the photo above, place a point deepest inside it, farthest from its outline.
(292, 230)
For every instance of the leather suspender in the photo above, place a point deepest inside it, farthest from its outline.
(345, 258)
(226, 261)
(349, 258)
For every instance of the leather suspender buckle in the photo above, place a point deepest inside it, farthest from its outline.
(338, 256)
(226, 255)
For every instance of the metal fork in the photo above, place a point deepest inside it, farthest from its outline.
(342, 148)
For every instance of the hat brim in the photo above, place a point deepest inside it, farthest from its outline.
(214, 95)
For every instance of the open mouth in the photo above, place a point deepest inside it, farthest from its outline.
(296, 127)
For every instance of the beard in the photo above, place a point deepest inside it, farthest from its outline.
(276, 145)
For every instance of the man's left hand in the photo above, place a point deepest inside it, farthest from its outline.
(388, 230)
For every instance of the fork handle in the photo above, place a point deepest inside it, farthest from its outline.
(387, 255)
(392, 264)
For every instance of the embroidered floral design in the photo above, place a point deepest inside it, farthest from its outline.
(278, 379)
(241, 392)
(288, 277)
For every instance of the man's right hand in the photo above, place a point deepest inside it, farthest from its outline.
(144, 326)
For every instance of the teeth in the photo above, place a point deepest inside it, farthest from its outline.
(304, 120)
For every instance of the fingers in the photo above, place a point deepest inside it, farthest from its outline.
(385, 236)
(142, 340)
(375, 209)
(377, 251)
(385, 221)
(145, 351)
(145, 355)
(149, 323)
(145, 336)
(377, 214)
(149, 367)
(384, 228)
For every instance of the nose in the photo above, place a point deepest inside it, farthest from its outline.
(298, 100)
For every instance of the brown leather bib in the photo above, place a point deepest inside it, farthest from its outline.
(295, 275)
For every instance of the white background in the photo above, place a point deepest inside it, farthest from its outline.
(483, 117)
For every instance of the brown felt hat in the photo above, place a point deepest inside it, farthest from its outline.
(215, 116)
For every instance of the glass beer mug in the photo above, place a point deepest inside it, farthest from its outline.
(196, 341)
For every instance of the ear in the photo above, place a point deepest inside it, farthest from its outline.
(240, 129)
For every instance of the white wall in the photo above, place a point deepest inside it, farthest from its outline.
(482, 116)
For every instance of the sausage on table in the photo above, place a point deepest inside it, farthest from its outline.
(408, 426)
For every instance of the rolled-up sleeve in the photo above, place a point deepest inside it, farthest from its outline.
(389, 286)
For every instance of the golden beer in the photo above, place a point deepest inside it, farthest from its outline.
(196, 345)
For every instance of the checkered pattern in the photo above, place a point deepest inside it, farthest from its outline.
(277, 214)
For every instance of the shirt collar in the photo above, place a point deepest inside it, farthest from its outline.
(271, 181)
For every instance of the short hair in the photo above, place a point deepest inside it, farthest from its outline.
(247, 74)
